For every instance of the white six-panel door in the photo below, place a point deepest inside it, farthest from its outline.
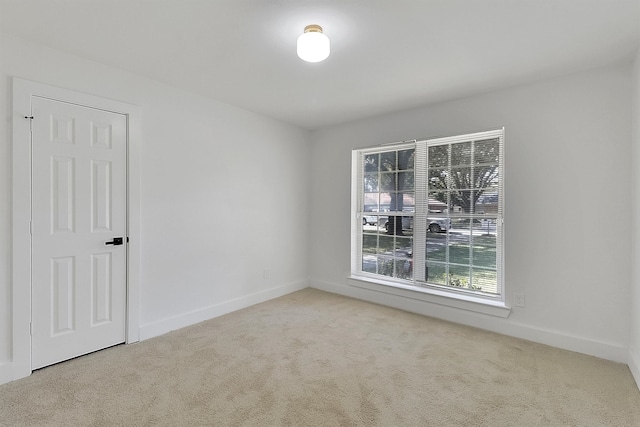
(79, 204)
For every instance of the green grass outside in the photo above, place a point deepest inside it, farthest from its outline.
(479, 274)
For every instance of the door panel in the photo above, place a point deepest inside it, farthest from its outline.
(63, 287)
(79, 203)
(62, 187)
(101, 285)
(100, 195)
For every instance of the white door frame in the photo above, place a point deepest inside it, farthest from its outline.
(23, 90)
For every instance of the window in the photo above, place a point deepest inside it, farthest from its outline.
(428, 214)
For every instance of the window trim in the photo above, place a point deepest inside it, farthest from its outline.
(488, 304)
(447, 298)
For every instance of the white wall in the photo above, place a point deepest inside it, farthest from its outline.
(568, 210)
(215, 183)
(634, 342)
(215, 177)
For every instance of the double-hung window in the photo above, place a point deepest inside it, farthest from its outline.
(428, 215)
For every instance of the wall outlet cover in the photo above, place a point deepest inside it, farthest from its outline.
(518, 300)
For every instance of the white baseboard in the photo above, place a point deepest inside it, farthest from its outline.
(176, 322)
(609, 351)
(6, 372)
(634, 367)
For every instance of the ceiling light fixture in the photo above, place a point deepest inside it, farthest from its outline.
(313, 44)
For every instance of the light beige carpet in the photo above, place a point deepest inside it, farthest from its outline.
(317, 359)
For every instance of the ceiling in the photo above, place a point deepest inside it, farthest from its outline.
(386, 55)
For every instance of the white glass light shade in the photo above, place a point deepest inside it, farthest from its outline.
(313, 45)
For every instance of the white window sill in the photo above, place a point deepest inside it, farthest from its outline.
(435, 296)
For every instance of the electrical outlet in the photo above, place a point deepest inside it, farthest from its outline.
(518, 300)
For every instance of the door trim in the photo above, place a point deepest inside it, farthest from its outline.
(23, 90)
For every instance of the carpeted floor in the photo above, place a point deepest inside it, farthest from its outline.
(317, 359)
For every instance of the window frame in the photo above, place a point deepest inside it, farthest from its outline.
(413, 288)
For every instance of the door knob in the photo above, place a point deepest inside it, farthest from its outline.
(117, 241)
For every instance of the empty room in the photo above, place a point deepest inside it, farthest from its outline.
(296, 212)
